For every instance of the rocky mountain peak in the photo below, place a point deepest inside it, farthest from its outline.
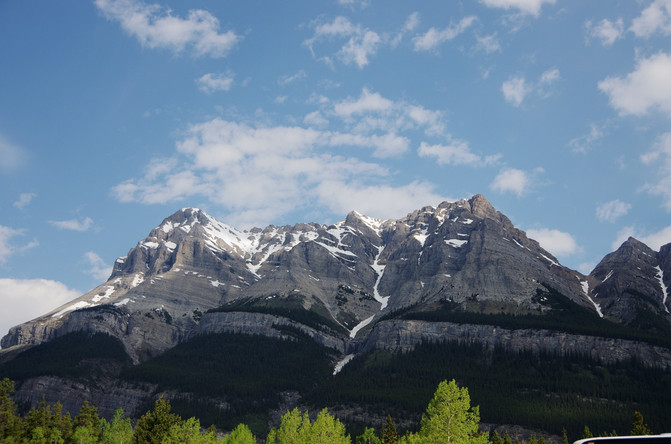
(631, 282)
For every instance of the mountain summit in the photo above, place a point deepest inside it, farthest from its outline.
(338, 281)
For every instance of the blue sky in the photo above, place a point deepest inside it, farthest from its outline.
(114, 114)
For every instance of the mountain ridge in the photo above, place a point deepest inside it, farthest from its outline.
(362, 288)
(348, 275)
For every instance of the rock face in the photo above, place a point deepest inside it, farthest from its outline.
(631, 281)
(342, 279)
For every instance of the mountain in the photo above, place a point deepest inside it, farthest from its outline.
(459, 271)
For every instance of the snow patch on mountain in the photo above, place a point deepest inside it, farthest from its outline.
(665, 291)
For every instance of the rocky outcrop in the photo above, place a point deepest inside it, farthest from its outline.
(404, 335)
(264, 325)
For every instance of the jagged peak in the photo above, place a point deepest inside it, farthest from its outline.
(355, 218)
(636, 245)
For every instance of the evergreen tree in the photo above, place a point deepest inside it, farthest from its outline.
(119, 431)
(564, 436)
(449, 417)
(296, 428)
(10, 423)
(639, 426)
(240, 435)
(389, 433)
(86, 425)
(587, 433)
(368, 437)
(507, 439)
(496, 438)
(154, 425)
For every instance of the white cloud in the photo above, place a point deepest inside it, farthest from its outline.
(362, 43)
(606, 31)
(550, 76)
(646, 88)
(585, 143)
(11, 156)
(511, 180)
(315, 118)
(359, 48)
(367, 102)
(73, 224)
(25, 299)
(515, 90)
(98, 268)
(157, 27)
(653, 240)
(559, 243)
(660, 158)
(287, 79)
(653, 19)
(24, 200)
(488, 43)
(259, 174)
(532, 7)
(457, 153)
(381, 201)
(434, 37)
(410, 24)
(213, 82)
(7, 246)
(613, 210)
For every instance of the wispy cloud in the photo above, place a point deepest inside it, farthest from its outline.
(613, 210)
(291, 78)
(11, 156)
(516, 89)
(362, 43)
(24, 200)
(585, 143)
(7, 245)
(156, 27)
(456, 153)
(213, 82)
(659, 159)
(605, 31)
(434, 37)
(531, 7)
(97, 266)
(73, 224)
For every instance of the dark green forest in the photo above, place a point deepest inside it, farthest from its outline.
(536, 390)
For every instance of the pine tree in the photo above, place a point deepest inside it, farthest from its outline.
(154, 425)
(564, 436)
(639, 427)
(449, 417)
(240, 435)
(586, 433)
(389, 433)
(10, 423)
(496, 438)
(119, 431)
(368, 437)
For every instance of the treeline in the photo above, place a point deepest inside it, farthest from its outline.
(449, 417)
(542, 391)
